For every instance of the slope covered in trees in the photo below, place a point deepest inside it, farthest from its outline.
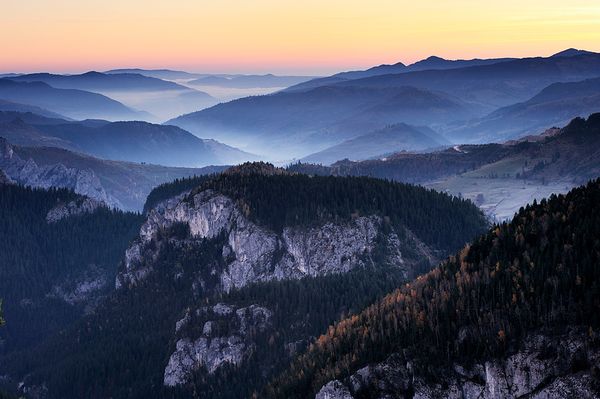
(48, 271)
(123, 348)
(278, 200)
(171, 189)
(539, 270)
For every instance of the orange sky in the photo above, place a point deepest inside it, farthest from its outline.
(308, 36)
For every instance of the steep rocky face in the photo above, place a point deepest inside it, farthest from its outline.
(544, 366)
(254, 253)
(212, 350)
(4, 179)
(72, 208)
(28, 173)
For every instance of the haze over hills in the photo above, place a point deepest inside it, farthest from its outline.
(497, 84)
(125, 141)
(393, 138)
(297, 124)
(312, 280)
(299, 121)
(500, 178)
(166, 74)
(8, 106)
(160, 98)
(72, 103)
(124, 185)
(250, 81)
(555, 105)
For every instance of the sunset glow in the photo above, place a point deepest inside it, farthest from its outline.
(282, 36)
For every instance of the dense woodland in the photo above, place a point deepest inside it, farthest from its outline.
(37, 256)
(443, 222)
(171, 189)
(112, 354)
(539, 270)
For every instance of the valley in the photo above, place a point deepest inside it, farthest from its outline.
(424, 228)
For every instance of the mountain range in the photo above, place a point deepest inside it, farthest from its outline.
(431, 232)
(121, 141)
(118, 184)
(161, 99)
(251, 231)
(500, 178)
(465, 101)
(391, 139)
(486, 323)
(73, 103)
(249, 81)
(304, 122)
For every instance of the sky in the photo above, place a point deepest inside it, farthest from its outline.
(315, 37)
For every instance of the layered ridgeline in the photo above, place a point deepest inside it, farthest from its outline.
(60, 253)
(500, 178)
(118, 184)
(514, 314)
(159, 99)
(229, 280)
(120, 141)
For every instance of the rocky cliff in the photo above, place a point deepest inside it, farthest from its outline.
(73, 208)
(4, 179)
(544, 366)
(28, 173)
(214, 348)
(254, 253)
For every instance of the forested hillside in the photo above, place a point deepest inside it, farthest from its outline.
(172, 189)
(134, 345)
(286, 199)
(539, 270)
(50, 272)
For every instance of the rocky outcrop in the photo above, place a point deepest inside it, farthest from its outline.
(28, 173)
(73, 208)
(4, 179)
(255, 253)
(544, 366)
(85, 289)
(214, 351)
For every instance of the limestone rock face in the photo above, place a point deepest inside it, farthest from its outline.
(212, 352)
(255, 253)
(4, 179)
(73, 208)
(334, 390)
(28, 173)
(544, 367)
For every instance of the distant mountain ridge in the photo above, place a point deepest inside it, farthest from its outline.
(301, 123)
(555, 105)
(160, 98)
(123, 141)
(121, 184)
(500, 178)
(76, 104)
(430, 63)
(250, 81)
(393, 138)
(93, 80)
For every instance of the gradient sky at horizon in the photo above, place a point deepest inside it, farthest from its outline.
(309, 36)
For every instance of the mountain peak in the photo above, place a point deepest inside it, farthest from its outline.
(570, 52)
(434, 58)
